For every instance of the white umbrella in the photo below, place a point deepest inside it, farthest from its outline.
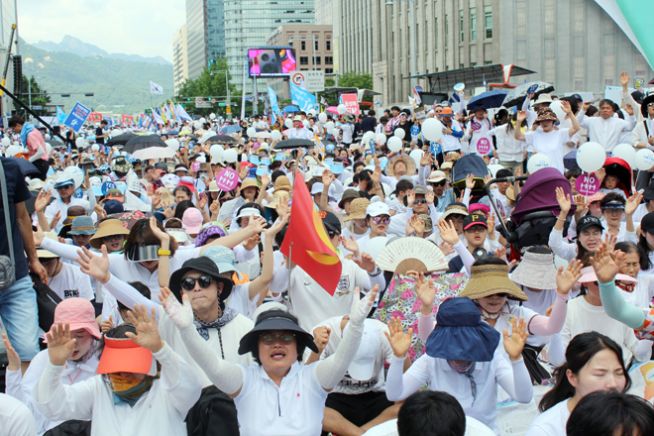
(263, 135)
(154, 153)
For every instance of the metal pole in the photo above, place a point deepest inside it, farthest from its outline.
(255, 98)
(243, 89)
(413, 49)
(29, 92)
(229, 96)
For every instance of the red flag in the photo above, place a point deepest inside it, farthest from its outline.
(306, 241)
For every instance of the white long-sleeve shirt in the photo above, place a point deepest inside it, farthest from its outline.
(160, 411)
(513, 377)
(607, 131)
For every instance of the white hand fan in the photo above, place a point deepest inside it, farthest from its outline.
(411, 253)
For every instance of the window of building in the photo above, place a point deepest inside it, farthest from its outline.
(304, 60)
(317, 60)
(436, 33)
(328, 44)
(473, 24)
(446, 31)
(549, 17)
(303, 45)
(329, 60)
(488, 21)
(329, 70)
(316, 44)
(462, 34)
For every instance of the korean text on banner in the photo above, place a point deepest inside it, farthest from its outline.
(351, 103)
(77, 116)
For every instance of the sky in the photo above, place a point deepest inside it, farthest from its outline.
(143, 27)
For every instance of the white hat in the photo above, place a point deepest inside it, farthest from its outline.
(543, 98)
(317, 188)
(297, 118)
(35, 184)
(362, 366)
(378, 208)
(436, 176)
(248, 212)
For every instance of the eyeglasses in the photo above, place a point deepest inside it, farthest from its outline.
(650, 104)
(441, 183)
(420, 201)
(381, 219)
(332, 233)
(63, 188)
(271, 338)
(188, 283)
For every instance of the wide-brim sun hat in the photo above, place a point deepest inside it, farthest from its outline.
(536, 271)
(408, 161)
(79, 314)
(588, 276)
(108, 227)
(460, 334)
(358, 208)
(279, 322)
(487, 280)
(202, 264)
(546, 115)
(121, 354)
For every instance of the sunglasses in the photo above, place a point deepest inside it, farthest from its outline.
(441, 183)
(188, 283)
(382, 219)
(63, 188)
(420, 201)
(332, 233)
(270, 338)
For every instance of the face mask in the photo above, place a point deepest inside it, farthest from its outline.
(120, 383)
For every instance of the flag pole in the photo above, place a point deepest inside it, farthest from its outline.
(288, 264)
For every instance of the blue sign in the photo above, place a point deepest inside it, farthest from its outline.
(106, 186)
(415, 131)
(302, 98)
(77, 116)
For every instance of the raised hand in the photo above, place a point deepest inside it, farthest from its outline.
(448, 232)
(55, 220)
(605, 266)
(514, 343)
(565, 105)
(470, 181)
(361, 309)
(567, 277)
(12, 357)
(107, 324)
(624, 79)
(96, 266)
(632, 203)
(399, 340)
(256, 225)
(350, 244)
(327, 178)
(417, 224)
(202, 201)
(429, 196)
(366, 262)
(522, 115)
(565, 203)
(426, 291)
(147, 332)
(181, 314)
(410, 198)
(42, 200)
(60, 344)
(277, 226)
(160, 234)
(610, 240)
(321, 337)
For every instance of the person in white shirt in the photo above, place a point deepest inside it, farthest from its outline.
(607, 129)
(129, 395)
(546, 138)
(356, 225)
(293, 393)
(15, 417)
(79, 315)
(644, 130)
(378, 217)
(593, 362)
(462, 358)
(511, 151)
(478, 127)
(59, 207)
(298, 131)
(65, 279)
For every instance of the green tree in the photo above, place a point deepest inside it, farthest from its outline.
(31, 92)
(212, 82)
(355, 80)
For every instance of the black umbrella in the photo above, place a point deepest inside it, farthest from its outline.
(570, 161)
(221, 139)
(121, 139)
(138, 142)
(487, 100)
(517, 96)
(293, 143)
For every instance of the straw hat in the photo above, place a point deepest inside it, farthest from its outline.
(282, 184)
(108, 227)
(410, 165)
(358, 208)
(546, 115)
(487, 280)
(249, 183)
(536, 271)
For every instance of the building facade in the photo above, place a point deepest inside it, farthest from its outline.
(573, 44)
(312, 44)
(248, 24)
(180, 59)
(215, 29)
(196, 37)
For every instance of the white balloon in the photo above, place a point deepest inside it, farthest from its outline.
(216, 152)
(341, 109)
(95, 147)
(202, 120)
(626, 152)
(251, 131)
(367, 137)
(399, 133)
(276, 135)
(591, 156)
(329, 125)
(432, 129)
(557, 108)
(288, 123)
(380, 139)
(212, 116)
(416, 155)
(322, 117)
(645, 159)
(538, 161)
(81, 142)
(394, 144)
(230, 155)
(6, 142)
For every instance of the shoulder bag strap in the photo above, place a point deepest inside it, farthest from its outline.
(5, 207)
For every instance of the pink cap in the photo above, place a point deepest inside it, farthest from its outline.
(192, 221)
(79, 314)
(588, 275)
(479, 207)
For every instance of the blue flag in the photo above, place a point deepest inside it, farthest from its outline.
(61, 115)
(274, 104)
(303, 98)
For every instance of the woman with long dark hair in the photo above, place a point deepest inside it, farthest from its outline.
(593, 363)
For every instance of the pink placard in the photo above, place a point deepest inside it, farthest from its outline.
(483, 145)
(227, 179)
(587, 184)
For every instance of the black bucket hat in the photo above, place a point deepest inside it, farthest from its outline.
(202, 264)
(276, 320)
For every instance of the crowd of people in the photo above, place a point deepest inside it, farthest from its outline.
(143, 296)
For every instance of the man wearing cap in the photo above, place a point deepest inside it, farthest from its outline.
(452, 133)
(311, 302)
(443, 195)
(81, 230)
(298, 131)
(419, 201)
(65, 189)
(378, 218)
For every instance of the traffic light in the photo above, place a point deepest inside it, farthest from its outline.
(18, 73)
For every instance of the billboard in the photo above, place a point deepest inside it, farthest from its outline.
(271, 61)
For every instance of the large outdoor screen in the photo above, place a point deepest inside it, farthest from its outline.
(271, 61)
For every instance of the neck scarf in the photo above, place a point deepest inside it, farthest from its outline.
(468, 373)
(132, 394)
(203, 327)
(26, 130)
